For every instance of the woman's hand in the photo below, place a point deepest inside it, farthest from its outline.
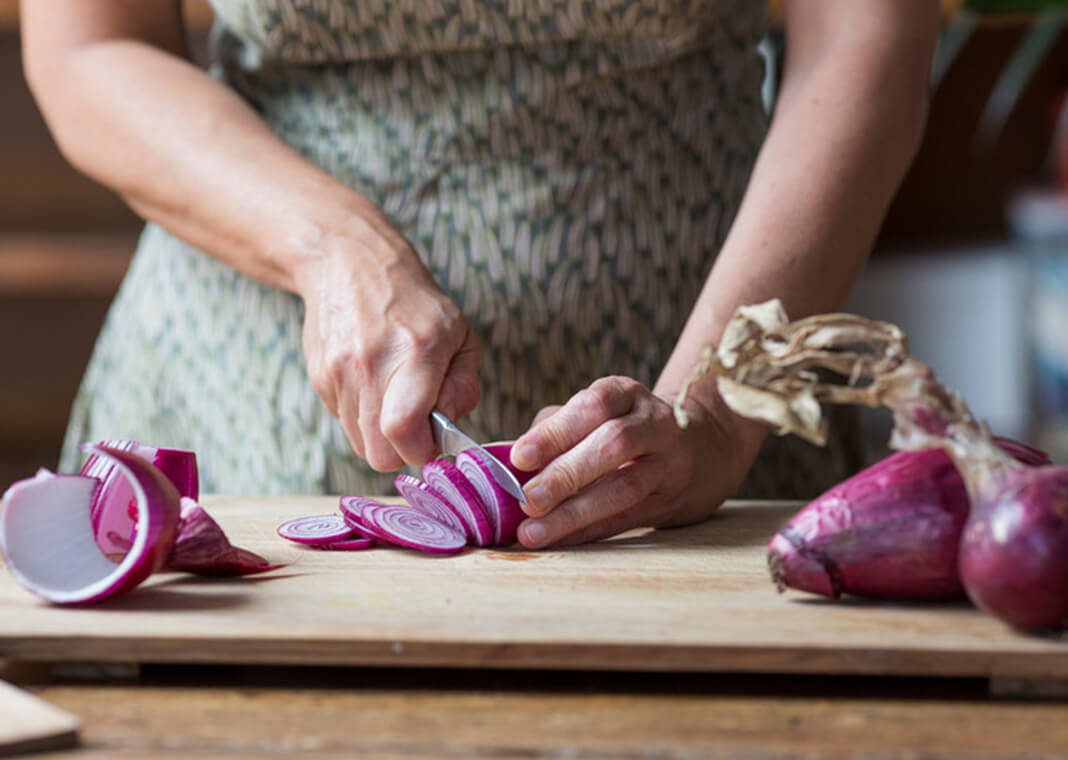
(385, 345)
(613, 458)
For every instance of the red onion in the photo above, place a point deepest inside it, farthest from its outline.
(112, 512)
(352, 510)
(404, 525)
(891, 531)
(421, 496)
(202, 548)
(446, 479)
(502, 509)
(348, 545)
(1013, 553)
(49, 544)
(319, 529)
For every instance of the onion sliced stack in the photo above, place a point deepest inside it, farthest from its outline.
(427, 498)
(352, 510)
(500, 507)
(445, 478)
(407, 526)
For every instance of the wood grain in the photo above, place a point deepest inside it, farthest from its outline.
(695, 599)
(585, 722)
(29, 724)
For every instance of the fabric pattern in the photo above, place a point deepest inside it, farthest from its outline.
(566, 169)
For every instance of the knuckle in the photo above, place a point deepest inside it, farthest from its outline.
(619, 440)
(399, 426)
(596, 401)
(635, 483)
(564, 479)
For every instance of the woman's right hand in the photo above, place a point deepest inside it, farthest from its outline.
(384, 344)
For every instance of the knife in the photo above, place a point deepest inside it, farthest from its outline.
(451, 440)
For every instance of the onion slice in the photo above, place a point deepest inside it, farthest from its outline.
(348, 545)
(318, 529)
(352, 510)
(49, 544)
(404, 525)
(431, 501)
(445, 478)
(503, 509)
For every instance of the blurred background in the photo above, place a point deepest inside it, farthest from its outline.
(972, 260)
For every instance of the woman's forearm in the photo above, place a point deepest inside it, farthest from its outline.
(846, 126)
(186, 152)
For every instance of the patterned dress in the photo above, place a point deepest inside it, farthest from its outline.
(566, 169)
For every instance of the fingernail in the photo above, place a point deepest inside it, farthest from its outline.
(525, 456)
(534, 532)
(537, 498)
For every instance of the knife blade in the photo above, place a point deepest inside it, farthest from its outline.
(451, 440)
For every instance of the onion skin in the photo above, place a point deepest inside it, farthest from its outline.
(892, 531)
(1014, 550)
(158, 519)
(203, 549)
(112, 511)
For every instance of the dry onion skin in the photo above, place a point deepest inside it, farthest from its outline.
(1013, 552)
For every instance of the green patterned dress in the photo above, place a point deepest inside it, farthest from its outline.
(566, 169)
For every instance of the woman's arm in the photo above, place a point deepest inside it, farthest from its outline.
(383, 343)
(847, 124)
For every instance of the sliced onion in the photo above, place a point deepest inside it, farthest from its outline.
(202, 548)
(318, 529)
(430, 500)
(501, 507)
(446, 479)
(352, 510)
(113, 509)
(348, 545)
(407, 526)
(49, 544)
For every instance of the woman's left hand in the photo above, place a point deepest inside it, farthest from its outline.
(613, 458)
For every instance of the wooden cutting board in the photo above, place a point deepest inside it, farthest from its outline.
(696, 598)
(28, 724)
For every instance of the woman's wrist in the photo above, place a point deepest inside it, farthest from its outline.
(336, 236)
(739, 438)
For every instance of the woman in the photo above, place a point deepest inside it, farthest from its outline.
(373, 208)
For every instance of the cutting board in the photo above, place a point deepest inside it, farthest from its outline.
(28, 724)
(696, 598)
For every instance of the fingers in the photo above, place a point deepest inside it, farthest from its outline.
(610, 446)
(434, 379)
(460, 393)
(607, 398)
(378, 450)
(615, 503)
(545, 413)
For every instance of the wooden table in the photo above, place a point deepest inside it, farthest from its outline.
(670, 644)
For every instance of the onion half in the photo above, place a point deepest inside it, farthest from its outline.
(49, 542)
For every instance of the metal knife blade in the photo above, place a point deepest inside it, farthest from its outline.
(451, 440)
